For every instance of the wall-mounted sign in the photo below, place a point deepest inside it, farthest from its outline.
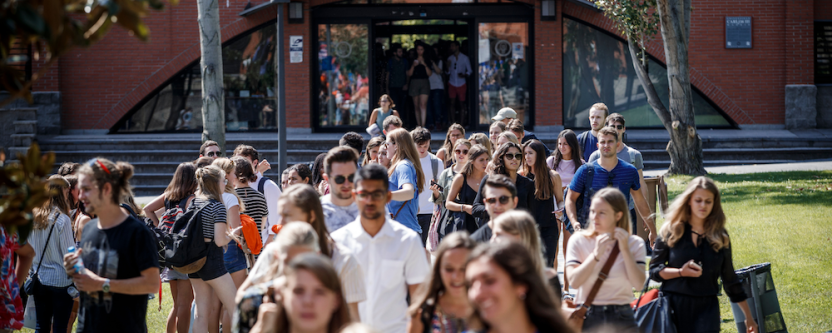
(295, 49)
(738, 32)
(823, 52)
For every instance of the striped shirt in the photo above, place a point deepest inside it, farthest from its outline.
(52, 272)
(214, 212)
(256, 206)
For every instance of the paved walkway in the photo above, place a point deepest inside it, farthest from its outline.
(817, 165)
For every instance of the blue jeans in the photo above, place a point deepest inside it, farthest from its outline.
(53, 306)
(621, 318)
(436, 107)
(234, 258)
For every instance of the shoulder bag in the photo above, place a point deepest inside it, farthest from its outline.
(32, 285)
(576, 318)
(655, 315)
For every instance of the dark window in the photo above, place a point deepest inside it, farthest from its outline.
(597, 68)
(823, 52)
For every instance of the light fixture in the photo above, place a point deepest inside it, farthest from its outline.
(296, 12)
(547, 10)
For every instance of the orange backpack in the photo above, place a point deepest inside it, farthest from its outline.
(251, 235)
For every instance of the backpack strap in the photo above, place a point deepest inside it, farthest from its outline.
(261, 185)
(582, 139)
(43, 253)
(586, 196)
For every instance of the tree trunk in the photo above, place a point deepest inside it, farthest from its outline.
(213, 97)
(685, 146)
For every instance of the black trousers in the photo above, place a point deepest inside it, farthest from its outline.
(424, 223)
(53, 306)
(549, 236)
(694, 314)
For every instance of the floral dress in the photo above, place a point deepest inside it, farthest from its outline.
(11, 309)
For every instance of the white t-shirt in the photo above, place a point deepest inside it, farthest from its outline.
(617, 288)
(272, 193)
(425, 206)
(229, 200)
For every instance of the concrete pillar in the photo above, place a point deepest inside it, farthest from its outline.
(801, 106)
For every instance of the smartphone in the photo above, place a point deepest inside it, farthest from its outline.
(696, 265)
(433, 182)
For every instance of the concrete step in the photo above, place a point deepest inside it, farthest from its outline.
(23, 140)
(22, 113)
(177, 156)
(25, 126)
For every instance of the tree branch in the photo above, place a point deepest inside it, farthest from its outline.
(652, 96)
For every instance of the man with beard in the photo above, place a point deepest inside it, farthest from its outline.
(340, 165)
(391, 256)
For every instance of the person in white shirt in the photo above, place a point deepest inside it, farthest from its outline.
(459, 67)
(432, 167)
(263, 185)
(339, 171)
(391, 255)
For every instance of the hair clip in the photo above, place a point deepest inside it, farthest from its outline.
(102, 166)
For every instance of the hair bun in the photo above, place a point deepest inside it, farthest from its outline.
(125, 169)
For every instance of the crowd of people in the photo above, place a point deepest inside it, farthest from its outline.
(399, 240)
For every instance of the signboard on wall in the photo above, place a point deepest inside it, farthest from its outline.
(738, 32)
(823, 52)
(295, 49)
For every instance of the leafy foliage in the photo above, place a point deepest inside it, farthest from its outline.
(635, 19)
(23, 186)
(53, 27)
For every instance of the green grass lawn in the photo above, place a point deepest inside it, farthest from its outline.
(783, 218)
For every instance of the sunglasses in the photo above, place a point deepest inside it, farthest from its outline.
(610, 178)
(503, 200)
(213, 154)
(618, 127)
(463, 152)
(377, 195)
(339, 179)
(517, 156)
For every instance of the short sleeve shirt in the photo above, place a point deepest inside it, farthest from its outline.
(117, 253)
(617, 288)
(624, 155)
(624, 177)
(336, 216)
(590, 146)
(405, 173)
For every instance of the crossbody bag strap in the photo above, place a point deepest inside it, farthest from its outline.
(400, 209)
(602, 276)
(43, 253)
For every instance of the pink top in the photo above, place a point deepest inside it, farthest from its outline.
(566, 169)
(617, 288)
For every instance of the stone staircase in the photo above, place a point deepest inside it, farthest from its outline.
(155, 156)
(24, 129)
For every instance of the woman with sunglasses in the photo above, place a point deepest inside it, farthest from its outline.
(464, 189)
(384, 110)
(548, 197)
(455, 132)
(507, 161)
(442, 188)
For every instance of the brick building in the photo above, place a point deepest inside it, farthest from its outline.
(550, 68)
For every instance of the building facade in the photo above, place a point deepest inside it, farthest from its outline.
(549, 60)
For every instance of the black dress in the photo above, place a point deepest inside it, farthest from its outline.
(466, 196)
(694, 300)
(547, 223)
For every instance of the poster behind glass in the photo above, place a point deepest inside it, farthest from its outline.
(503, 71)
(343, 89)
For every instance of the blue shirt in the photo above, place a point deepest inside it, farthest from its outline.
(590, 146)
(405, 173)
(624, 177)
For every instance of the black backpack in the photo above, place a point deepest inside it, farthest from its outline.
(583, 202)
(158, 235)
(261, 185)
(185, 247)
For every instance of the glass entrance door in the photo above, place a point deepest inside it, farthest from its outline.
(503, 70)
(343, 88)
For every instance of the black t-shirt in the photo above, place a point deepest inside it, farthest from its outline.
(121, 252)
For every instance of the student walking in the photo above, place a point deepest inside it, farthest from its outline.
(507, 160)
(520, 226)
(432, 166)
(547, 202)
(455, 132)
(384, 110)
(500, 196)
(464, 189)
(588, 141)
(373, 148)
(120, 265)
(406, 179)
(263, 185)
(50, 238)
(339, 205)
(607, 238)
(509, 293)
(442, 188)
(419, 74)
(441, 305)
(691, 254)
(566, 166)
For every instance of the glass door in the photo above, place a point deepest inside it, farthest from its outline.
(503, 70)
(343, 90)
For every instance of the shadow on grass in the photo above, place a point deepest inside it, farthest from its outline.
(797, 187)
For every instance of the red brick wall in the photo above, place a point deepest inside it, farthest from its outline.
(548, 74)
(298, 84)
(823, 10)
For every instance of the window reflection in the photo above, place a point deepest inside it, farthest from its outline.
(248, 81)
(598, 68)
(503, 70)
(343, 87)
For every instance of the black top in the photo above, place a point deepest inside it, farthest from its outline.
(420, 72)
(714, 265)
(525, 191)
(483, 234)
(117, 253)
(542, 210)
(466, 196)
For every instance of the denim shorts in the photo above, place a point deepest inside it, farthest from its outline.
(214, 266)
(169, 275)
(234, 258)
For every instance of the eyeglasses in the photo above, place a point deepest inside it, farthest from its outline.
(463, 152)
(618, 127)
(517, 156)
(503, 200)
(213, 154)
(339, 179)
(377, 195)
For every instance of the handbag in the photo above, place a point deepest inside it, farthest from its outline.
(433, 232)
(654, 316)
(576, 318)
(32, 284)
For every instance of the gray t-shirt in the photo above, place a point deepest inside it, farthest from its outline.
(336, 216)
(628, 155)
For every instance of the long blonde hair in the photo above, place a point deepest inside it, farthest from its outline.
(228, 166)
(448, 145)
(57, 200)
(406, 150)
(522, 224)
(618, 202)
(510, 137)
(209, 182)
(296, 233)
(679, 214)
(483, 140)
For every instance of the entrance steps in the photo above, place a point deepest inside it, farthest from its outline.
(155, 156)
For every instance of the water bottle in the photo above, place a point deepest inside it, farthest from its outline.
(72, 292)
(79, 265)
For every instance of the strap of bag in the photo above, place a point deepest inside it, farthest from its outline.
(261, 185)
(643, 291)
(43, 253)
(400, 209)
(602, 276)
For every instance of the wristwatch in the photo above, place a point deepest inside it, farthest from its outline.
(106, 286)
